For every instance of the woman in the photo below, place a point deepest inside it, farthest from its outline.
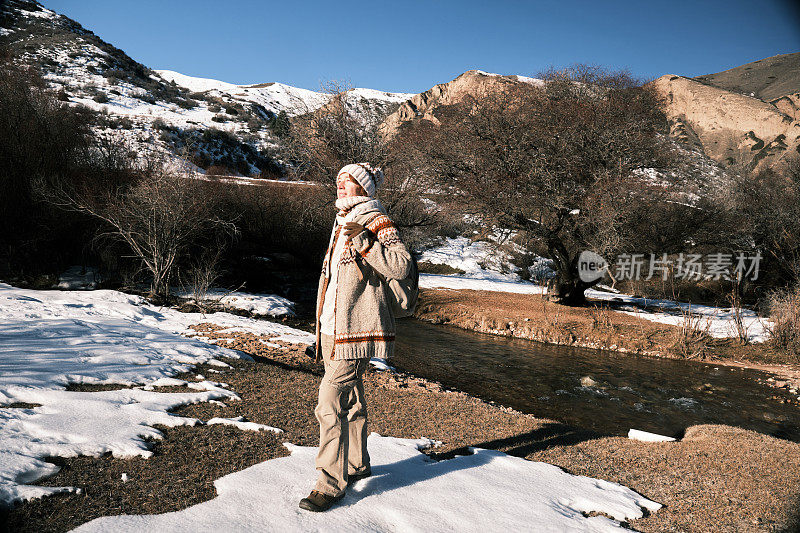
(354, 324)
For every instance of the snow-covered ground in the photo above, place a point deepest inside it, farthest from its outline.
(719, 320)
(525, 79)
(51, 338)
(441, 281)
(274, 97)
(257, 304)
(487, 268)
(478, 259)
(485, 491)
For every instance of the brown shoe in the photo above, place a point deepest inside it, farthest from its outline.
(352, 478)
(318, 501)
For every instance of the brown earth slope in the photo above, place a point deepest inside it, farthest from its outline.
(472, 83)
(767, 79)
(731, 128)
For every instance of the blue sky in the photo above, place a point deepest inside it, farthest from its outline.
(410, 46)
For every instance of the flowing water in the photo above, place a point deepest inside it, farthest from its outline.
(604, 391)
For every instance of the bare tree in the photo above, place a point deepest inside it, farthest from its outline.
(40, 138)
(160, 216)
(322, 141)
(766, 206)
(343, 131)
(558, 161)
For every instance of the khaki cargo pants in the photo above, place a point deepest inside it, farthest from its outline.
(342, 415)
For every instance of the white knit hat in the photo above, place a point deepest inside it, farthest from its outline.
(369, 177)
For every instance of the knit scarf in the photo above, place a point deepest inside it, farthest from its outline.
(344, 205)
(347, 206)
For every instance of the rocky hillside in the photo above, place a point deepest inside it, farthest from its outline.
(235, 128)
(276, 97)
(720, 116)
(746, 116)
(730, 127)
(766, 79)
(474, 83)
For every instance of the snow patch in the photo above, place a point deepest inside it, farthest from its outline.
(684, 403)
(646, 436)
(71, 423)
(478, 259)
(257, 304)
(49, 339)
(437, 281)
(380, 363)
(407, 492)
(241, 424)
(720, 320)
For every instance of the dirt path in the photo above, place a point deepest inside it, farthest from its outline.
(717, 478)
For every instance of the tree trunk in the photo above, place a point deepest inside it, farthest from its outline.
(569, 287)
(569, 290)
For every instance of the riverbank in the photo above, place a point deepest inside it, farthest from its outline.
(533, 317)
(717, 478)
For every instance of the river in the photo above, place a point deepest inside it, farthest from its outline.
(605, 391)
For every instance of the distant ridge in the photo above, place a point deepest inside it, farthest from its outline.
(767, 79)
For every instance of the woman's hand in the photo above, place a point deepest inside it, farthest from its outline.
(352, 228)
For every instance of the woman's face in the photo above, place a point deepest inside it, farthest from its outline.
(347, 186)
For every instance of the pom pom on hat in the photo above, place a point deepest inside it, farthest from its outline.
(369, 177)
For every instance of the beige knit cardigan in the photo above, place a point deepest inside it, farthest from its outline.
(363, 322)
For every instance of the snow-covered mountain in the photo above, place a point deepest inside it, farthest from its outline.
(276, 97)
(209, 122)
(224, 124)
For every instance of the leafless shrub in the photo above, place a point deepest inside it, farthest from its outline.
(767, 207)
(735, 301)
(201, 274)
(693, 335)
(161, 217)
(438, 268)
(288, 217)
(601, 318)
(320, 142)
(41, 138)
(219, 170)
(784, 312)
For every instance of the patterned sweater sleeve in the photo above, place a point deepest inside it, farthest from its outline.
(382, 249)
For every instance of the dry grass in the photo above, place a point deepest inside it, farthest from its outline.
(437, 268)
(536, 318)
(693, 335)
(716, 479)
(784, 310)
(601, 318)
(734, 299)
